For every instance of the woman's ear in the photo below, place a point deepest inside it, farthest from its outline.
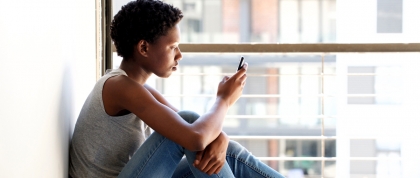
(142, 47)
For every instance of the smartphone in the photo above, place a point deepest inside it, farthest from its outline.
(241, 63)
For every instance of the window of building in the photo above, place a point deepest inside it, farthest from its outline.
(390, 16)
(315, 114)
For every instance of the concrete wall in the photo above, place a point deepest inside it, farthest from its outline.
(47, 68)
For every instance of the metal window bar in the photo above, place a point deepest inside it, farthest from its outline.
(322, 119)
(278, 75)
(276, 116)
(273, 95)
(310, 137)
(322, 49)
(336, 158)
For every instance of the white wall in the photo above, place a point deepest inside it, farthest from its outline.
(47, 68)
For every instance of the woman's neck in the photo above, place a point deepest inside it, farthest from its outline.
(134, 71)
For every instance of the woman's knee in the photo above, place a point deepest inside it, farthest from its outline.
(189, 116)
(235, 147)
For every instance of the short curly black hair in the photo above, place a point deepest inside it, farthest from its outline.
(142, 20)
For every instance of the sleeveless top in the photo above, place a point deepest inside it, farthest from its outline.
(102, 145)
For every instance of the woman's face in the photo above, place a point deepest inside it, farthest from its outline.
(164, 53)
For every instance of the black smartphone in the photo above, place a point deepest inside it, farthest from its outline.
(241, 63)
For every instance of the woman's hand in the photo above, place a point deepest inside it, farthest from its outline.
(213, 157)
(230, 88)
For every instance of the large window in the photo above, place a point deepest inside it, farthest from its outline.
(308, 111)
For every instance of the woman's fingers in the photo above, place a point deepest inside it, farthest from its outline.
(240, 72)
(203, 163)
(218, 170)
(242, 79)
(210, 164)
(226, 78)
(202, 166)
(198, 157)
(213, 164)
(213, 169)
(240, 76)
(209, 167)
(230, 88)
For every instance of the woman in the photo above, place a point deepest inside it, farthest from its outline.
(113, 136)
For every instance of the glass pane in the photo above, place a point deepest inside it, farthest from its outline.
(381, 129)
(371, 100)
(382, 168)
(296, 21)
(390, 16)
(293, 148)
(282, 95)
(268, 21)
(304, 168)
(235, 21)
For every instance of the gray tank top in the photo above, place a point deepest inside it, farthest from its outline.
(102, 145)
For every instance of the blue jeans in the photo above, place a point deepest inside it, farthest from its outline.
(161, 157)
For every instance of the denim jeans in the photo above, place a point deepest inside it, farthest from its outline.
(162, 158)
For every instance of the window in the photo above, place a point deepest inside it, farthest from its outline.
(390, 16)
(332, 110)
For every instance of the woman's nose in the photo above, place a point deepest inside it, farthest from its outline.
(179, 55)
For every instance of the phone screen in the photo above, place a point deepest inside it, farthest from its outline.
(241, 63)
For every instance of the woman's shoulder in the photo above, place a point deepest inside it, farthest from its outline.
(113, 72)
(110, 74)
(119, 91)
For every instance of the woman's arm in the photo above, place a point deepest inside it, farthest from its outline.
(129, 95)
(159, 97)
